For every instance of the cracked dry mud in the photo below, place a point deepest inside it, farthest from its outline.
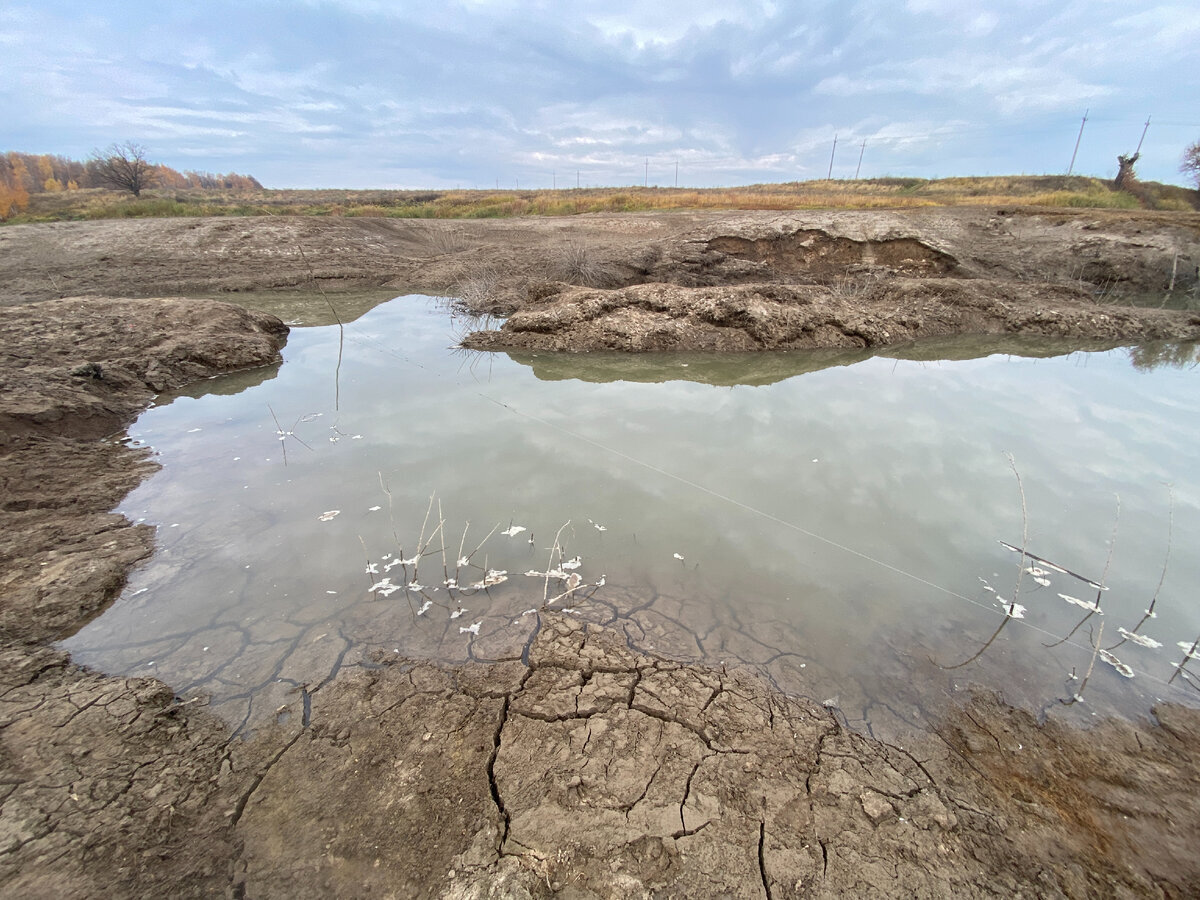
(593, 763)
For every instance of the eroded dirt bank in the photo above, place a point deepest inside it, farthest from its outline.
(786, 317)
(580, 768)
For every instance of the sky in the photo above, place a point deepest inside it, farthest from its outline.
(538, 94)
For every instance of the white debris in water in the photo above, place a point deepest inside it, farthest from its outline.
(513, 530)
(1140, 639)
(492, 578)
(1089, 605)
(1191, 653)
(372, 569)
(678, 557)
(329, 514)
(471, 629)
(424, 607)
(384, 588)
(458, 612)
(1121, 668)
(374, 508)
(551, 573)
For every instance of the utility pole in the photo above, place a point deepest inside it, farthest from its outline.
(1071, 167)
(829, 177)
(861, 151)
(1138, 151)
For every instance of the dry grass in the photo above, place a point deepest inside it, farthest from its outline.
(875, 193)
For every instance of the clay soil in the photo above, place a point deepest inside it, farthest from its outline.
(579, 768)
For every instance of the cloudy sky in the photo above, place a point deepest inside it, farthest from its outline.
(475, 93)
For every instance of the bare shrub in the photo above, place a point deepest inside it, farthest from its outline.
(578, 264)
(478, 290)
(444, 241)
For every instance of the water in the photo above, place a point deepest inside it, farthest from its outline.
(830, 519)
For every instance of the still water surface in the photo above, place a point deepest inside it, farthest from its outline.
(830, 519)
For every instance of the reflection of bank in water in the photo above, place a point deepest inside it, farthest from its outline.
(728, 369)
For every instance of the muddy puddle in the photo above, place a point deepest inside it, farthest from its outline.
(834, 521)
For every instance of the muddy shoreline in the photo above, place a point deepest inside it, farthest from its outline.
(582, 768)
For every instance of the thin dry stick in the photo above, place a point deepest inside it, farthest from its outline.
(479, 546)
(1162, 576)
(1112, 544)
(1012, 606)
(1012, 463)
(550, 561)
(337, 373)
(1186, 656)
(1095, 652)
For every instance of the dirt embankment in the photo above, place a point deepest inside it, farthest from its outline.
(582, 768)
(869, 280)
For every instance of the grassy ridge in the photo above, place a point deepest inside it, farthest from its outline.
(875, 193)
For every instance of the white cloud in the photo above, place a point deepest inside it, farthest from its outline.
(466, 91)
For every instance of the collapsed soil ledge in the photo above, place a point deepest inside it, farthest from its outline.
(584, 769)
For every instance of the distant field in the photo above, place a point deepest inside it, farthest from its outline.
(875, 193)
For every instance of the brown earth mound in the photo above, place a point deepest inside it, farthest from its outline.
(785, 317)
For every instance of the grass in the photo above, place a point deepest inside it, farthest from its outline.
(875, 193)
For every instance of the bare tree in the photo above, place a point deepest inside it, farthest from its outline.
(124, 167)
(1191, 162)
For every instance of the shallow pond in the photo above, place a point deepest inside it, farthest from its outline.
(833, 520)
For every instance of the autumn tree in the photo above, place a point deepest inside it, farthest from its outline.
(124, 167)
(14, 197)
(1191, 162)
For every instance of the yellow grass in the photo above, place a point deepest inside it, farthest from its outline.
(876, 193)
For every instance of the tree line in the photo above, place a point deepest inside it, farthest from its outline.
(25, 174)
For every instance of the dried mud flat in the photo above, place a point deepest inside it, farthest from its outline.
(581, 767)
